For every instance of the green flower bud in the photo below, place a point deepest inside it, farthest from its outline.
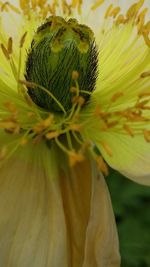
(60, 48)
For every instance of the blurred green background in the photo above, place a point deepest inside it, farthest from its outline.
(131, 203)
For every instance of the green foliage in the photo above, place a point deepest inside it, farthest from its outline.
(131, 203)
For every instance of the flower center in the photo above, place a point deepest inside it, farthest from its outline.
(62, 58)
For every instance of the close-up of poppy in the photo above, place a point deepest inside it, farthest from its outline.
(74, 105)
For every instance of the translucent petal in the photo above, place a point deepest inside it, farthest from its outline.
(123, 57)
(130, 155)
(51, 218)
(120, 103)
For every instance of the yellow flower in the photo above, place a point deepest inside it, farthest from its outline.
(61, 122)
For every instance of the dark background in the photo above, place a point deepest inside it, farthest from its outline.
(131, 204)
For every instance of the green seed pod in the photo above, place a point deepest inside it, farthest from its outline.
(58, 49)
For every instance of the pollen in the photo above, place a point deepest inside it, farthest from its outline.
(75, 157)
(76, 127)
(116, 96)
(128, 130)
(107, 148)
(108, 11)
(51, 135)
(5, 52)
(120, 20)
(44, 124)
(114, 12)
(102, 165)
(11, 108)
(22, 40)
(146, 135)
(97, 4)
(145, 74)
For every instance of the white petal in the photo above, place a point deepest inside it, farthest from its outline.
(49, 222)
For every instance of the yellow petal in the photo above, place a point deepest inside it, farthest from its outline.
(130, 155)
(54, 218)
(101, 247)
(123, 58)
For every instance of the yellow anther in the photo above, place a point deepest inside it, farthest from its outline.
(140, 25)
(45, 11)
(31, 114)
(5, 52)
(22, 40)
(10, 126)
(146, 38)
(51, 135)
(10, 107)
(128, 130)
(108, 11)
(52, 10)
(76, 127)
(145, 74)
(98, 111)
(133, 10)
(120, 19)
(102, 165)
(75, 157)
(9, 46)
(142, 104)
(147, 26)
(41, 3)
(79, 8)
(48, 121)
(144, 94)
(13, 8)
(141, 18)
(114, 12)
(44, 124)
(116, 96)
(111, 124)
(34, 4)
(146, 135)
(24, 4)
(97, 4)
(140, 3)
(74, 3)
(4, 6)
(66, 7)
(134, 117)
(107, 148)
